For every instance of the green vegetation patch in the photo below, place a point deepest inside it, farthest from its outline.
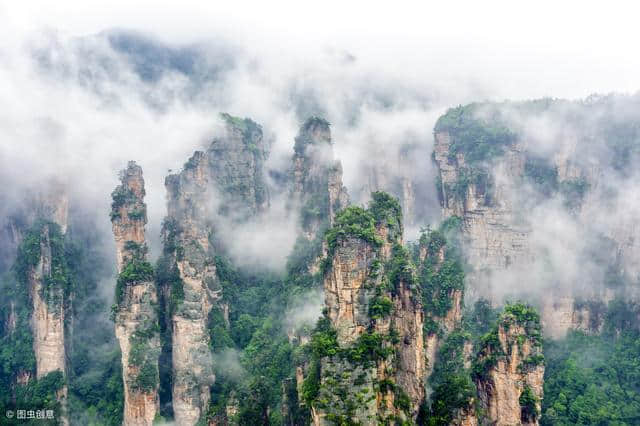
(315, 209)
(145, 357)
(490, 349)
(247, 126)
(542, 174)
(219, 337)
(401, 269)
(369, 348)
(526, 316)
(380, 307)
(476, 131)
(58, 284)
(356, 222)
(528, 405)
(121, 196)
(135, 271)
(439, 279)
(386, 210)
(595, 379)
(303, 139)
(467, 176)
(453, 389)
(37, 394)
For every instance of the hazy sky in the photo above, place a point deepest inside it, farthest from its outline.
(383, 72)
(506, 48)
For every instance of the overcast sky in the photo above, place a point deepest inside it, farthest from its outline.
(508, 48)
(346, 55)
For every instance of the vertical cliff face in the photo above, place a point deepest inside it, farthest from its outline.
(135, 311)
(410, 361)
(316, 195)
(442, 282)
(235, 162)
(370, 364)
(218, 187)
(36, 311)
(316, 178)
(495, 239)
(49, 285)
(193, 290)
(49, 289)
(48, 307)
(492, 179)
(509, 369)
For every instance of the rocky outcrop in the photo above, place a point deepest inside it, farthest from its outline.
(495, 199)
(376, 370)
(509, 369)
(316, 177)
(235, 162)
(48, 289)
(345, 290)
(49, 286)
(408, 321)
(562, 313)
(495, 238)
(136, 296)
(445, 325)
(48, 312)
(187, 232)
(221, 186)
(316, 195)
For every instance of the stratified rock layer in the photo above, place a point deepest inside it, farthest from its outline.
(316, 178)
(500, 244)
(193, 254)
(494, 239)
(509, 368)
(50, 305)
(373, 305)
(46, 288)
(220, 187)
(136, 301)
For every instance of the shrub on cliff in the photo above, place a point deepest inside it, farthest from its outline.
(356, 222)
(475, 133)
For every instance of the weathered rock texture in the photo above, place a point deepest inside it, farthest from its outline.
(494, 238)
(223, 185)
(48, 313)
(316, 178)
(50, 300)
(316, 195)
(374, 307)
(136, 300)
(509, 371)
(193, 254)
(498, 233)
(48, 287)
(235, 162)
